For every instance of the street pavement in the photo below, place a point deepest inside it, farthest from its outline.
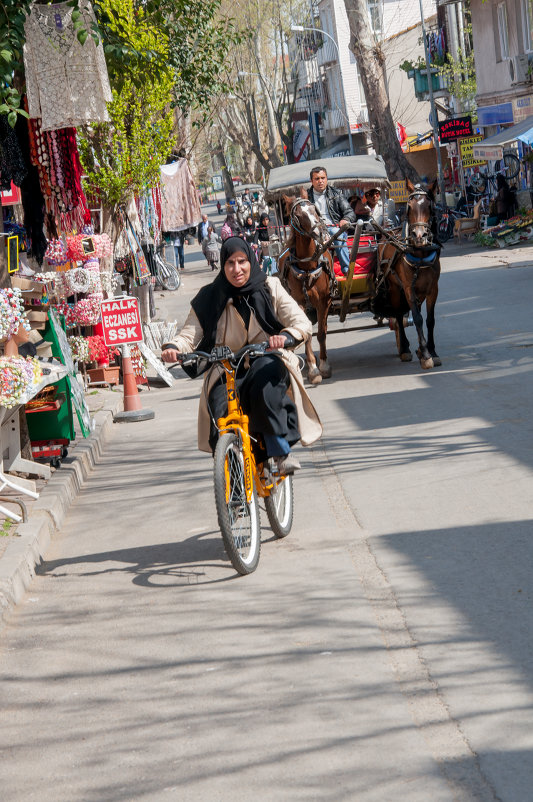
(381, 652)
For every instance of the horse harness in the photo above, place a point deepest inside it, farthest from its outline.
(406, 249)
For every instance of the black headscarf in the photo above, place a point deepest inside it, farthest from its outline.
(211, 301)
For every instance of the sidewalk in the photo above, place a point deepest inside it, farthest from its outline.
(22, 546)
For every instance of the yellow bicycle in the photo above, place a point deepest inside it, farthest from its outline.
(238, 478)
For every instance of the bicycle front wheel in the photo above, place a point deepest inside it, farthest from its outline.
(280, 507)
(169, 278)
(478, 182)
(238, 520)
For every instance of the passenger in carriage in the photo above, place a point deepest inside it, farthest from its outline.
(334, 210)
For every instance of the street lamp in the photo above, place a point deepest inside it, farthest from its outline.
(299, 29)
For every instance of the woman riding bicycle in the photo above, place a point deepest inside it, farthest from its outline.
(243, 306)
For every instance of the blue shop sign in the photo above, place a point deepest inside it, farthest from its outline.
(495, 115)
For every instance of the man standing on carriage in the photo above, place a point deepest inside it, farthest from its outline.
(334, 210)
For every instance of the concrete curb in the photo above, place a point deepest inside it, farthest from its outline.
(23, 554)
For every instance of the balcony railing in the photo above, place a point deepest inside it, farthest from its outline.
(327, 54)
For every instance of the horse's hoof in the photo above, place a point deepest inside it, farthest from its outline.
(406, 357)
(437, 362)
(426, 364)
(325, 371)
(314, 378)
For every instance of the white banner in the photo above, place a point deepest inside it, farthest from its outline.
(300, 140)
(487, 152)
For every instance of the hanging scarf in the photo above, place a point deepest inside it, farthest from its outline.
(211, 301)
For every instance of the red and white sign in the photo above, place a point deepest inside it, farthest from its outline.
(121, 321)
(10, 197)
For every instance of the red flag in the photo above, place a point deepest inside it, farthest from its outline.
(401, 133)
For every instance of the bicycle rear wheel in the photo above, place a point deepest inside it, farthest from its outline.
(509, 165)
(238, 520)
(280, 507)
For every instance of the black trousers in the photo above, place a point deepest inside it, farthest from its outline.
(262, 391)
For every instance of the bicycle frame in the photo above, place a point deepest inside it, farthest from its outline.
(237, 421)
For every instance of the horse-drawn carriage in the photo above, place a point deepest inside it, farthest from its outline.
(387, 274)
(249, 201)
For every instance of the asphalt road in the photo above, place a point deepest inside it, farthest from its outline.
(381, 652)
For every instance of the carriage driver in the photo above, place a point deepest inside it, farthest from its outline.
(334, 210)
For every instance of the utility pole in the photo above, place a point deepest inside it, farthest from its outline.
(434, 118)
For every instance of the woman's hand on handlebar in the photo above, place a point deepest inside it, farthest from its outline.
(276, 341)
(170, 355)
(281, 341)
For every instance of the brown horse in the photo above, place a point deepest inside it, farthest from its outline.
(409, 275)
(306, 270)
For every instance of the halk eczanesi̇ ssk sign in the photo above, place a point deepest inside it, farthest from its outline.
(121, 321)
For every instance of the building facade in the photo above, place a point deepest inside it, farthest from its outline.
(502, 31)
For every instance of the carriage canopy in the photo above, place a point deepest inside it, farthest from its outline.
(343, 172)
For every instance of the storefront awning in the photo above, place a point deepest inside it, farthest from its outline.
(494, 144)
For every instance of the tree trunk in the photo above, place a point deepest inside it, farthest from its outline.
(229, 189)
(371, 65)
(271, 124)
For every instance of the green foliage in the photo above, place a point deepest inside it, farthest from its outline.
(484, 239)
(123, 157)
(142, 39)
(460, 75)
(408, 66)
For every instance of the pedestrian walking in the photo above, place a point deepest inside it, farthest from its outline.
(179, 249)
(249, 229)
(202, 228)
(231, 228)
(211, 248)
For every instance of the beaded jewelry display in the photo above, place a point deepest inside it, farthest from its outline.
(12, 313)
(17, 375)
(56, 252)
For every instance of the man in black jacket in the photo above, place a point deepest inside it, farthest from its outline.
(334, 210)
(201, 232)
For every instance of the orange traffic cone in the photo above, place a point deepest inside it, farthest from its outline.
(133, 410)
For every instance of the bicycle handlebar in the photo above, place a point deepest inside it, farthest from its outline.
(222, 352)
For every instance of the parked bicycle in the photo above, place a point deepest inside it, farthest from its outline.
(238, 478)
(508, 166)
(167, 276)
(446, 218)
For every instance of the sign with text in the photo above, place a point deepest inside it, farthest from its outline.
(522, 108)
(487, 152)
(456, 128)
(121, 321)
(467, 152)
(11, 196)
(398, 191)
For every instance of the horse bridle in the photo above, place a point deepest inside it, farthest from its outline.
(419, 192)
(319, 242)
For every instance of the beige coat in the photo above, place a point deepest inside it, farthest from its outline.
(232, 332)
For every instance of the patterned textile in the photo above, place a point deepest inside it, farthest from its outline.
(55, 154)
(12, 167)
(179, 201)
(66, 82)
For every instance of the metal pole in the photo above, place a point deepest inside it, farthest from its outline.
(434, 118)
